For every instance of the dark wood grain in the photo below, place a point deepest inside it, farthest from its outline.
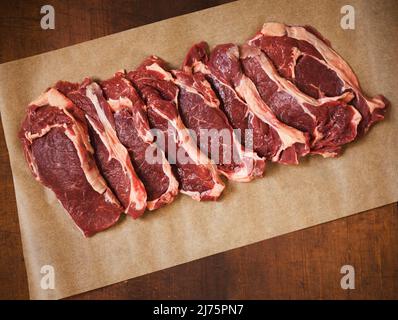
(304, 264)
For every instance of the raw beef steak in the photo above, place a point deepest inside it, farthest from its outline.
(199, 109)
(304, 57)
(56, 144)
(132, 127)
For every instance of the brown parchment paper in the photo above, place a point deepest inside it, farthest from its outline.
(287, 199)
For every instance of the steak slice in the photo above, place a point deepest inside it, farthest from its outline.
(196, 174)
(199, 109)
(304, 57)
(243, 105)
(132, 128)
(112, 157)
(56, 144)
(330, 122)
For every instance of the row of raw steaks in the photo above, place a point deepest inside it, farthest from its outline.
(123, 144)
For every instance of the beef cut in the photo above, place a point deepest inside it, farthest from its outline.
(272, 139)
(331, 122)
(56, 144)
(132, 127)
(133, 141)
(304, 57)
(196, 174)
(112, 157)
(199, 109)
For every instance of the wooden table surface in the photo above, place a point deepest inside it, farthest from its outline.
(301, 265)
